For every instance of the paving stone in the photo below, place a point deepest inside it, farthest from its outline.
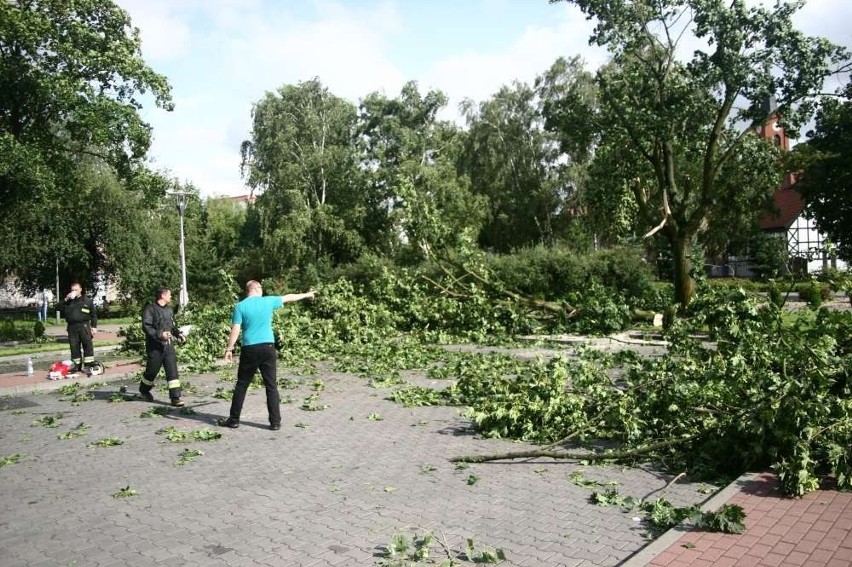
(333, 493)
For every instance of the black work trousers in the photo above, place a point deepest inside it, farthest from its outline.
(80, 335)
(261, 357)
(160, 356)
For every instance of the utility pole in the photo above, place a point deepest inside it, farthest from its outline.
(181, 197)
(57, 290)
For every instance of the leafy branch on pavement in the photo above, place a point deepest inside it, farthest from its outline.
(311, 403)
(739, 388)
(187, 456)
(106, 442)
(50, 421)
(156, 411)
(80, 429)
(175, 435)
(417, 550)
(10, 459)
(125, 492)
(662, 515)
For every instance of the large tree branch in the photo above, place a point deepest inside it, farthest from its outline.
(562, 309)
(583, 455)
(641, 200)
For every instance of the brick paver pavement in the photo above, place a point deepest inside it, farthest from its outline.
(334, 486)
(331, 488)
(814, 531)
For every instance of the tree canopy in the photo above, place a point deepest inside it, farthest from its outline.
(680, 131)
(532, 181)
(71, 81)
(826, 171)
(301, 162)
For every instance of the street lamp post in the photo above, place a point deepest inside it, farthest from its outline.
(181, 206)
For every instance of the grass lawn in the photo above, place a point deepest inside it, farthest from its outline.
(21, 331)
(45, 347)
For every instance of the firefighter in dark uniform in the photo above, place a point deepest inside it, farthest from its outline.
(158, 322)
(82, 322)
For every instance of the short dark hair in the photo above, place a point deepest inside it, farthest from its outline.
(161, 291)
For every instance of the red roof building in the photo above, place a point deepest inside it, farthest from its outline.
(807, 247)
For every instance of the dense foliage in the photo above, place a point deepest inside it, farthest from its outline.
(740, 387)
(826, 177)
(71, 80)
(672, 123)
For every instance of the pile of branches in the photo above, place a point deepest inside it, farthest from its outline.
(740, 389)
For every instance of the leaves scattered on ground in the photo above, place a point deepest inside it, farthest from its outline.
(187, 456)
(80, 429)
(125, 492)
(10, 459)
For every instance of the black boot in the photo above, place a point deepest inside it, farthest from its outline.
(146, 395)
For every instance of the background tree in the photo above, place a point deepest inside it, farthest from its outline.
(680, 127)
(146, 256)
(826, 179)
(301, 160)
(531, 176)
(418, 201)
(70, 77)
(217, 246)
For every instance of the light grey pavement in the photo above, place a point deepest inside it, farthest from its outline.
(331, 488)
(334, 486)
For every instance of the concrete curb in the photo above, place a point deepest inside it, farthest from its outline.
(662, 543)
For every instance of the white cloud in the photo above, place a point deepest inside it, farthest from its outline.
(164, 34)
(345, 49)
(478, 75)
(221, 56)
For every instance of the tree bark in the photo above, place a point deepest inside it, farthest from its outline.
(684, 285)
(576, 456)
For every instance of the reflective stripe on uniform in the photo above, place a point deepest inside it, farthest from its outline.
(174, 384)
(88, 359)
(147, 382)
(75, 361)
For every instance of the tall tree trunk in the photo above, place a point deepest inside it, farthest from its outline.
(684, 285)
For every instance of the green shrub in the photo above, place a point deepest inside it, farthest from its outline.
(734, 283)
(11, 332)
(775, 296)
(769, 253)
(658, 297)
(814, 294)
(555, 273)
(836, 280)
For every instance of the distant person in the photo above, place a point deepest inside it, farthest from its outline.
(253, 317)
(158, 323)
(82, 321)
(47, 299)
(41, 306)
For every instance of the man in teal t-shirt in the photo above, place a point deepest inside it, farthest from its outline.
(253, 318)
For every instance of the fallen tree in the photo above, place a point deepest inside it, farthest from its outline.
(767, 394)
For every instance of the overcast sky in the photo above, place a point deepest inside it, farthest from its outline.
(221, 56)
